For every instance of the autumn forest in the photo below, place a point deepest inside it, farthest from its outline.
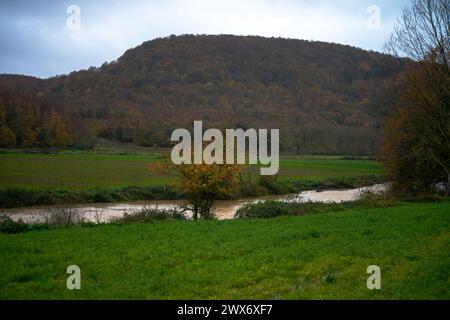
(326, 98)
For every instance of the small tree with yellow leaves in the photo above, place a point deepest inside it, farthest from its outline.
(201, 184)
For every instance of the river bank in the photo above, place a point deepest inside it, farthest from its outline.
(223, 209)
(17, 197)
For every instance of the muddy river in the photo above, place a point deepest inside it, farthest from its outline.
(223, 209)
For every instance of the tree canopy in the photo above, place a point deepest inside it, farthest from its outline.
(325, 97)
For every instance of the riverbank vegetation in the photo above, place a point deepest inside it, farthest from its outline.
(23, 197)
(367, 199)
(68, 216)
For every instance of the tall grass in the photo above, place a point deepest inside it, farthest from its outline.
(145, 215)
(64, 216)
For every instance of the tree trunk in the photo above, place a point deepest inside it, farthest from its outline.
(196, 214)
(447, 192)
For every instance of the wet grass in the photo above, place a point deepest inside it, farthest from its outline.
(77, 171)
(73, 176)
(85, 171)
(323, 256)
(314, 169)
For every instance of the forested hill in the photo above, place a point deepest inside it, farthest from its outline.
(324, 97)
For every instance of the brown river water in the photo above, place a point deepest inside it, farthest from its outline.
(223, 209)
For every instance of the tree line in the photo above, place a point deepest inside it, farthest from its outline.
(416, 148)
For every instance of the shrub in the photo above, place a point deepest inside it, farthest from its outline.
(64, 216)
(302, 185)
(249, 189)
(270, 209)
(17, 197)
(270, 183)
(150, 215)
(369, 198)
(21, 197)
(150, 193)
(101, 195)
(7, 225)
(350, 182)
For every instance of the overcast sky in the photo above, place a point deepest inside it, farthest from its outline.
(43, 38)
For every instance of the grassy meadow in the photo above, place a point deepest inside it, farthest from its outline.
(320, 256)
(81, 171)
(321, 253)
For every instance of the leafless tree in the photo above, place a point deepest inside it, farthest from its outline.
(424, 27)
(422, 34)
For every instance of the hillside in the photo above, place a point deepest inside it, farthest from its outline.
(325, 98)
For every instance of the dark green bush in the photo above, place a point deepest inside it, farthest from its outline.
(270, 209)
(7, 225)
(150, 215)
(350, 182)
(302, 185)
(102, 195)
(371, 199)
(17, 197)
(249, 189)
(150, 193)
(271, 183)
(21, 197)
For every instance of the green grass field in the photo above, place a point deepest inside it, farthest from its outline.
(323, 256)
(316, 169)
(84, 170)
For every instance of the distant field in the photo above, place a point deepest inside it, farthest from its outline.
(85, 170)
(316, 169)
(82, 171)
(323, 256)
